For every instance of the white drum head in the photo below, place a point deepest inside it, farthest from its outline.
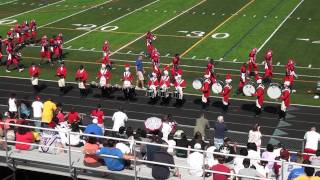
(274, 91)
(197, 84)
(126, 84)
(216, 88)
(248, 90)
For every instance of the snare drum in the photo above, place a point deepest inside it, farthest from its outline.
(150, 93)
(126, 84)
(163, 92)
(197, 83)
(217, 87)
(249, 88)
(274, 90)
(175, 94)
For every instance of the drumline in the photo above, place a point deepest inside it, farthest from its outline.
(163, 93)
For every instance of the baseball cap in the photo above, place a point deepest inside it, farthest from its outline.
(197, 146)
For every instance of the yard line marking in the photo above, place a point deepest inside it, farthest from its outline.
(280, 25)
(211, 32)
(77, 37)
(33, 10)
(278, 63)
(167, 55)
(303, 39)
(69, 47)
(8, 2)
(80, 48)
(310, 65)
(220, 59)
(92, 49)
(74, 14)
(128, 44)
(129, 52)
(235, 60)
(193, 57)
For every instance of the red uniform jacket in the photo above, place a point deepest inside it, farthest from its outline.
(34, 71)
(61, 72)
(259, 94)
(153, 81)
(290, 79)
(176, 61)
(181, 83)
(165, 80)
(106, 59)
(81, 75)
(127, 76)
(206, 88)
(243, 72)
(225, 93)
(268, 58)
(286, 96)
(105, 47)
(155, 56)
(208, 71)
(174, 72)
(105, 73)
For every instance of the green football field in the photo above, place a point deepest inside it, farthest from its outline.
(197, 29)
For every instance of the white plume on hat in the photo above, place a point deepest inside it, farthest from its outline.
(95, 121)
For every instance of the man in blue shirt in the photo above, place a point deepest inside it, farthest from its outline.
(140, 72)
(94, 128)
(298, 171)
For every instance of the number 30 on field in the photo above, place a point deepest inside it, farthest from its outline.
(199, 34)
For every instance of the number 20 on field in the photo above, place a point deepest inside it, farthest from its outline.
(199, 34)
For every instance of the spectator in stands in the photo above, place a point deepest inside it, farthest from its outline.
(24, 135)
(48, 111)
(13, 106)
(297, 171)
(238, 161)
(24, 109)
(72, 116)
(211, 160)
(284, 156)
(140, 72)
(119, 119)
(171, 143)
(219, 131)
(130, 135)
(228, 149)
(166, 128)
(197, 139)
(1, 126)
(248, 171)
(94, 128)
(11, 132)
(74, 132)
(220, 167)
(312, 137)
(202, 124)
(309, 172)
(60, 115)
(278, 149)
(183, 142)
(99, 114)
(315, 160)
(121, 133)
(90, 148)
(50, 142)
(253, 153)
(143, 138)
(255, 136)
(195, 161)
(261, 168)
(37, 107)
(269, 156)
(160, 171)
(152, 149)
(113, 164)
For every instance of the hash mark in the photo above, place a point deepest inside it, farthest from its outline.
(254, 16)
(92, 49)
(119, 9)
(298, 18)
(69, 47)
(309, 19)
(265, 16)
(220, 59)
(235, 60)
(203, 13)
(193, 57)
(310, 65)
(213, 14)
(223, 14)
(244, 15)
(129, 52)
(167, 55)
(80, 48)
(194, 12)
(276, 17)
(278, 63)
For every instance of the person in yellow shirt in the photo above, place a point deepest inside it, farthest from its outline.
(48, 111)
(309, 171)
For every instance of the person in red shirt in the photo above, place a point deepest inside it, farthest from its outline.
(206, 91)
(285, 101)
(24, 135)
(155, 57)
(61, 73)
(268, 58)
(290, 73)
(260, 96)
(45, 51)
(176, 60)
(72, 116)
(252, 64)
(34, 72)
(105, 48)
(243, 78)
(150, 37)
(15, 59)
(210, 70)
(150, 49)
(81, 78)
(226, 93)
(128, 79)
(33, 27)
(220, 167)
(174, 72)
(104, 76)
(99, 114)
(106, 61)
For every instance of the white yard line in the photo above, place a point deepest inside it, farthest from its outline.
(75, 14)
(280, 25)
(33, 10)
(77, 37)
(128, 44)
(8, 2)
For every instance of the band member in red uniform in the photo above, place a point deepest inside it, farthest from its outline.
(260, 96)
(268, 57)
(128, 79)
(59, 47)
(157, 70)
(104, 76)
(267, 73)
(174, 72)
(81, 78)
(285, 101)
(206, 91)
(105, 48)
(34, 73)
(210, 71)
(179, 85)
(155, 57)
(33, 28)
(150, 37)
(15, 59)
(176, 60)
(226, 93)
(252, 64)
(45, 51)
(106, 61)
(61, 73)
(243, 78)
(290, 73)
(153, 85)
(165, 83)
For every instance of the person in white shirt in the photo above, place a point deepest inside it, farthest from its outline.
(37, 107)
(238, 161)
(195, 162)
(253, 153)
(166, 129)
(269, 156)
(13, 108)
(210, 160)
(119, 118)
(255, 136)
(312, 138)
(171, 143)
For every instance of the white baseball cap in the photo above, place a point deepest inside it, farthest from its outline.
(197, 146)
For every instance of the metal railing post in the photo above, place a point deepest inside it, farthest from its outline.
(135, 160)
(6, 141)
(302, 145)
(204, 165)
(282, 170)
(69, 153)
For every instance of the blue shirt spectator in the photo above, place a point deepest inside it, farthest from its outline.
(220, 128)
(295, 173)
(113, 164)
(139, 64)
(94, 128)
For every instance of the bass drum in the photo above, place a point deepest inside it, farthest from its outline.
(249, 88)
(217, 87)
(274, 90)
(197, 83)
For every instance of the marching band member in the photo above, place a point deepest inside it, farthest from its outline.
(225, 93)
(260, 95)
(153, 84)
(61, 73)
(285, 101)
(243, 78)
(176, 60)
(157, 70)
(105, 48)
(34, 72)
(165, 82)
(150, 37)
(106, 60)
(206, 91)
(155, 57)
(267, 73)
(15, 59)
(33, 27)
(104, 76)
(252, 64)
(59, 46)
(210, 71)
(179, 84)
(45, 50)
(268, 58)
(81, 78)
(290, 73)
(150, 49)
(176, 70)
(127, 79)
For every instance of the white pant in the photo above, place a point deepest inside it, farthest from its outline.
(283, 107)
(204, 99)
(180, 92)
(257, 104)
(154, 88)
(81, 85)
(34, 81)
(61, 82)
